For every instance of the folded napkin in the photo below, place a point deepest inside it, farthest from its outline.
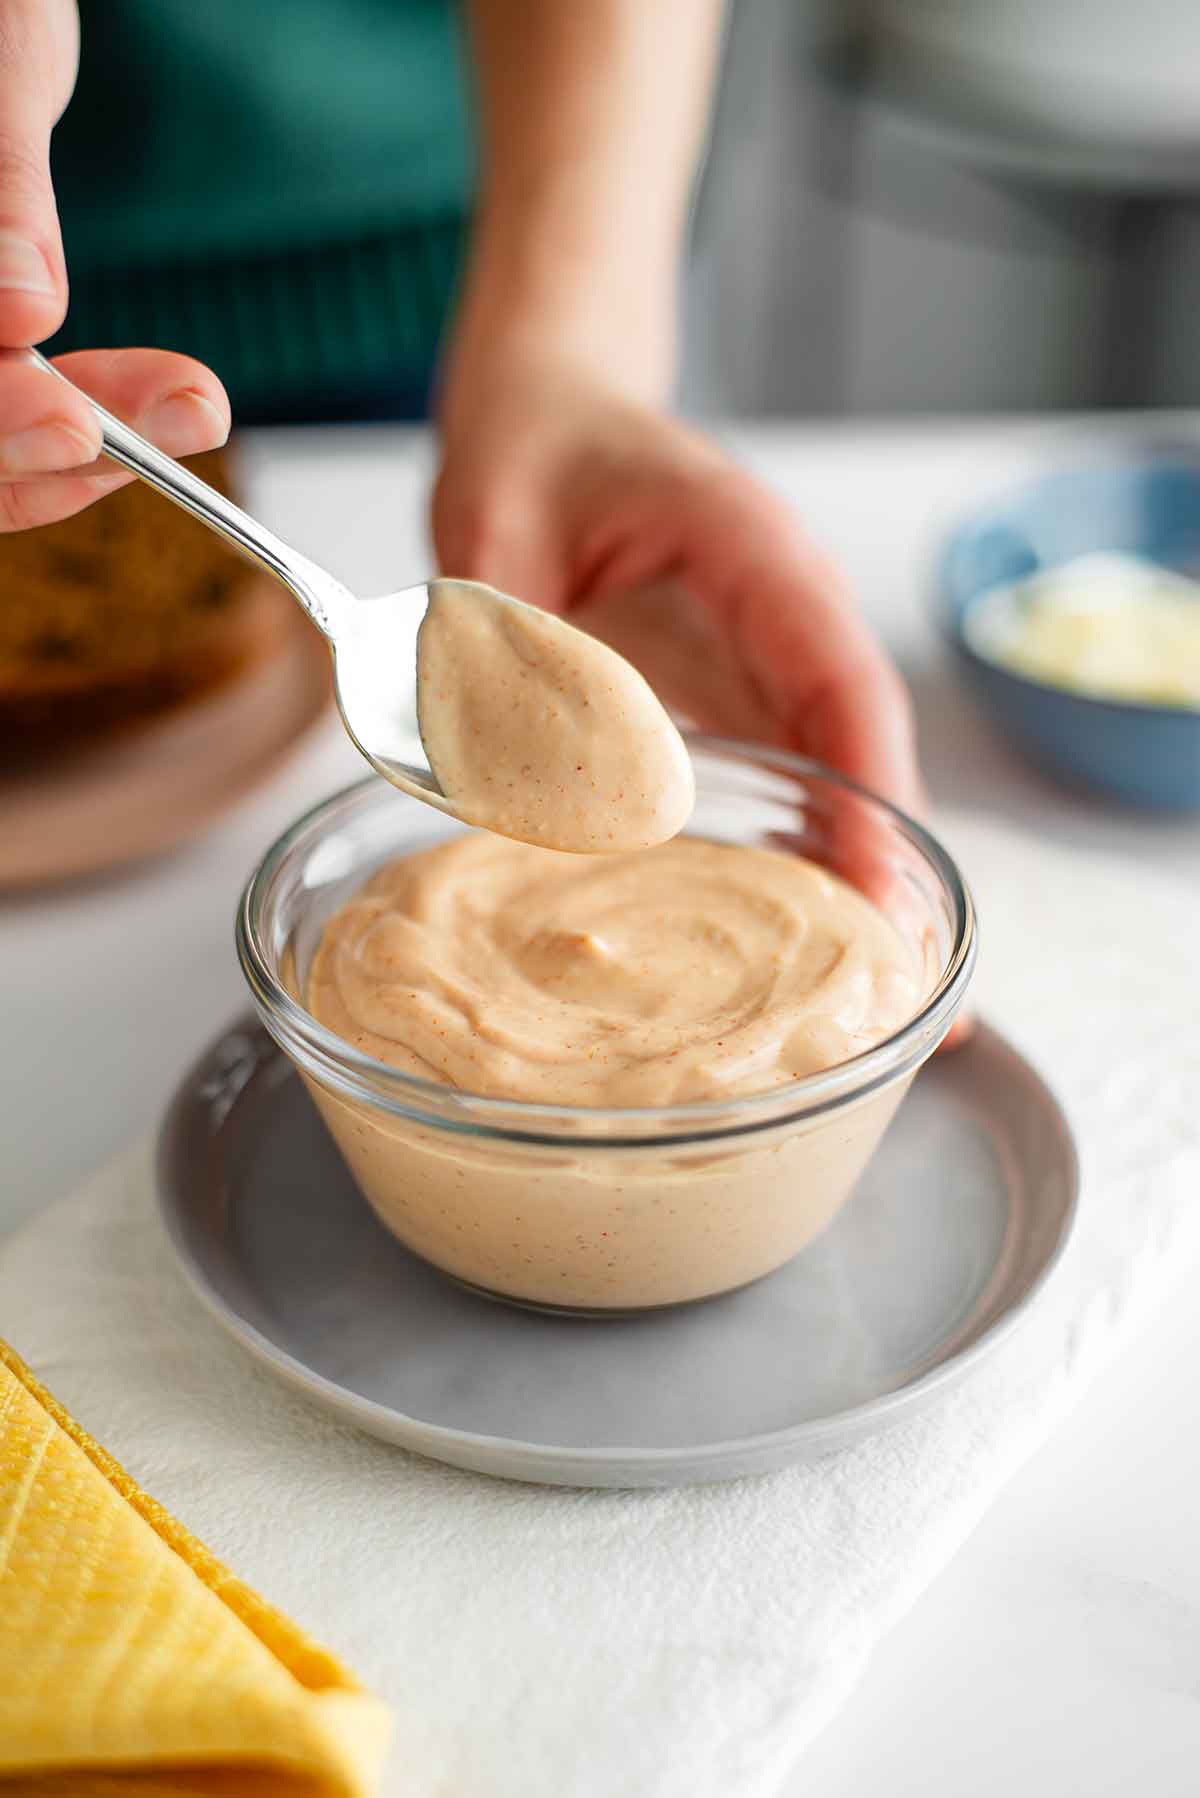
(676, 1644)
(128, 1653)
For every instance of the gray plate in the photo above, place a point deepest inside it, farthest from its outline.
(955, 1226)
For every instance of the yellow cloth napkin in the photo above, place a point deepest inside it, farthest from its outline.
(132, 1663)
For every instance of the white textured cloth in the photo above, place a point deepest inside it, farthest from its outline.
(680, 1644)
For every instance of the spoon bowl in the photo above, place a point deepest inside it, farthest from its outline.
(375, 684)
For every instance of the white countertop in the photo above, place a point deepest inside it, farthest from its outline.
(1060, 1652)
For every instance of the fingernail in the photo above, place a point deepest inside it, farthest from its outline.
(23, 268)
(184, 422)
(46, 449)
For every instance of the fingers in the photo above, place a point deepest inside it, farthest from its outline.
(47, 432)
(788, 622)
(646, 502)
(38, 56)
(33, 282)
(959, 1033)
(860, 720)
(49, 438)
(46, 427)
(172, 399)
(490, 527)
(820, 668)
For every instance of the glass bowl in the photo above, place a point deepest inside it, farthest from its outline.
(611, 1211)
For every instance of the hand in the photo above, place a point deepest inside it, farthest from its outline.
(561, 492)
(49, 438)
(557, 489)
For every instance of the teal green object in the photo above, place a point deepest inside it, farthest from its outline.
(1145, 755)
(277, 186)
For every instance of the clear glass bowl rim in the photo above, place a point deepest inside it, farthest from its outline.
(361, 1077)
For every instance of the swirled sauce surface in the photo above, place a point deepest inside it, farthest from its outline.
(695, 970)
(537, 731)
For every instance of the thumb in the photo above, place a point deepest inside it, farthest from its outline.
(38, 56)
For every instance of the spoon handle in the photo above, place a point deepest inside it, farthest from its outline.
(317, 591)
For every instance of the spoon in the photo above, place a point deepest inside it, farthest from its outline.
(373, 641)
(528, 726)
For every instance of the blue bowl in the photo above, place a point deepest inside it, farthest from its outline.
(1146, 754)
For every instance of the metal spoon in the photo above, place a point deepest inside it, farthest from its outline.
(373, 641)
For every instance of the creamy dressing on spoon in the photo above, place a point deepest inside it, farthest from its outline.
(537, 731)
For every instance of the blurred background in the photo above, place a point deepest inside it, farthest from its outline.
(931, 206)
(908, 209)
(909, 206)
